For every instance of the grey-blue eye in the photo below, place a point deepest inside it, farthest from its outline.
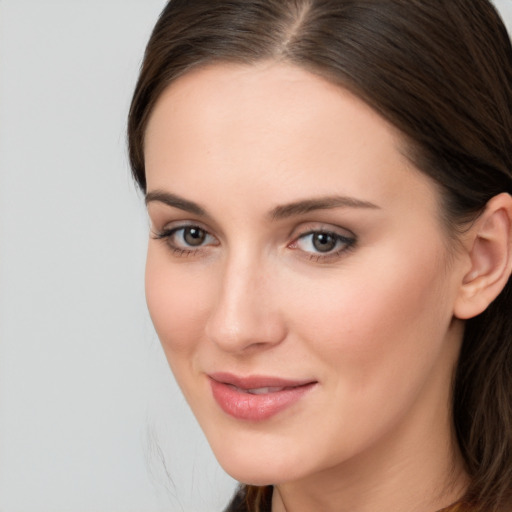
(323, 242)
(186, 237)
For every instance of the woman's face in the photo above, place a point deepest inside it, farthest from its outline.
(298, 275)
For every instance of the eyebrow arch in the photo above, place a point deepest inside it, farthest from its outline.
(321, 203)
(279, 212)
(175, 202)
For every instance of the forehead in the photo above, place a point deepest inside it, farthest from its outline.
(277, 127)
(262, 97)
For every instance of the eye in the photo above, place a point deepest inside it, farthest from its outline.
(323, 244)
(192, 236)
(186, 239)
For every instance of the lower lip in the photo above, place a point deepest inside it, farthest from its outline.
(249, 407)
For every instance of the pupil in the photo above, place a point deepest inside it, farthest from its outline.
(194, 236)
(324, 242)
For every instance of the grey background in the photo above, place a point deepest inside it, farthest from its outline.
(90, 418)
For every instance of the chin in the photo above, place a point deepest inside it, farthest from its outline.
(259, 466)
(253, 475)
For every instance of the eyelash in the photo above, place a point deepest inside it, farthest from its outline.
(167, 236)
(347, 242)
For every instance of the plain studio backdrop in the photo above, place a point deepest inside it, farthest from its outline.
(90, 417)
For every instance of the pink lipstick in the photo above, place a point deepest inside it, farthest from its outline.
(256, 398)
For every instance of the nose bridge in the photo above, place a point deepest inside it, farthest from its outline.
(245, 313)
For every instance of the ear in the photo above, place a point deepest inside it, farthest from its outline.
(490, 253)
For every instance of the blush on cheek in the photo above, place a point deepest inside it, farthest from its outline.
(175, 310)
(167, 308)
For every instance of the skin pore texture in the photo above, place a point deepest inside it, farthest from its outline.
(292, 239)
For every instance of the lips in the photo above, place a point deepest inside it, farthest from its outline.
(256, 398)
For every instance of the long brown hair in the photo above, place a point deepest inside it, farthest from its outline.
(438, 70)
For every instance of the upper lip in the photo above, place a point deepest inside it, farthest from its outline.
(258, 381)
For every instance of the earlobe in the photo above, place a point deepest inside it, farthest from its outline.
(490, 253)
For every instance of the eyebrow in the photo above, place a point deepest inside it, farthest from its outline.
(279, 212)
(175, 202)
(321, 203)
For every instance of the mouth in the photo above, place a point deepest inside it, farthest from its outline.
(256, 398)
(261, 391)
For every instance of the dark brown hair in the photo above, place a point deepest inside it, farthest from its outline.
(441, 72)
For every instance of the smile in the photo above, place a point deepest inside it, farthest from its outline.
(256, 398)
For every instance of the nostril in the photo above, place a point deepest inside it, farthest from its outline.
(238, 330)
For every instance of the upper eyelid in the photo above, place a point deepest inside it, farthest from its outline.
(328, 231)
(162, 217)
(321, 227)
(181, 224)
(168, 231)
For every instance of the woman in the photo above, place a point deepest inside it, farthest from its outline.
(328, 184)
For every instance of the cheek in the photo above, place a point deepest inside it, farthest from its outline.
(374, 319)
(377, 335)
(176, 303)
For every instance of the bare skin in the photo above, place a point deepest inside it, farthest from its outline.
(293, 239)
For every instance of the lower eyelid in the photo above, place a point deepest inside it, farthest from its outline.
(318, 257)
(178, 252)
(332, 256)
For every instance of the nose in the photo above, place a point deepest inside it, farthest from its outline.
(245, 314)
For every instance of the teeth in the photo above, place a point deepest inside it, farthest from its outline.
(263, 391)
(259, 391)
